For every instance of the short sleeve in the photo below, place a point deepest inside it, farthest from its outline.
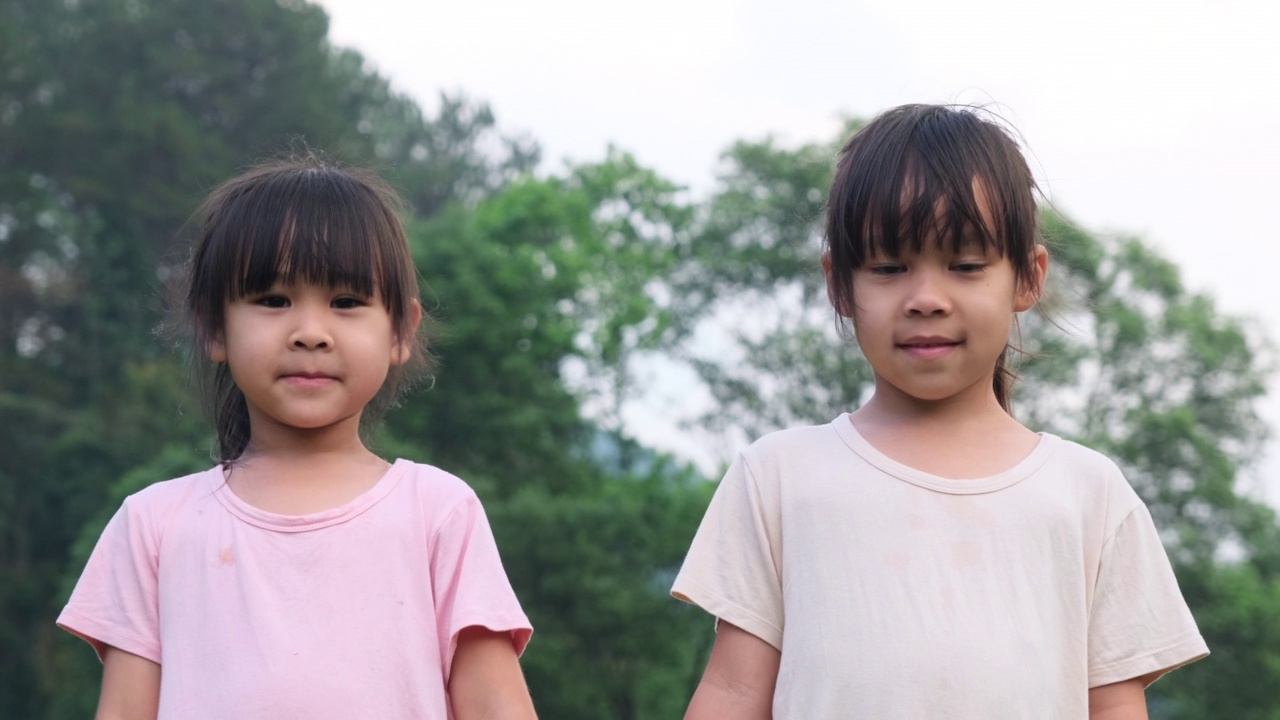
(116, 602)
(1139, 624)
(732, 569)
(469, 585)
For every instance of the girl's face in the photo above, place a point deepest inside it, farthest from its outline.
(933, 323)
(308, 357)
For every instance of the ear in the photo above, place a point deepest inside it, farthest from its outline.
(831, 295)
(1027, 296)
(216, 350)
(402, 350)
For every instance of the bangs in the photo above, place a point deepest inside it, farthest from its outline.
(928, 210)
(308, 234)
(930, 174)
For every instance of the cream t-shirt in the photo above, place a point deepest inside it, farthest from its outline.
(347, 614)
(893, 593)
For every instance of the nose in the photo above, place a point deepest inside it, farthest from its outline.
(310, 332)
(927, 294)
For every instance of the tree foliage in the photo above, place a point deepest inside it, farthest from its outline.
(543, 274)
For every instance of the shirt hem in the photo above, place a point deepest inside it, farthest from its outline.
(100, 637)
(729, 612)
(520, 630)
(1152, 666)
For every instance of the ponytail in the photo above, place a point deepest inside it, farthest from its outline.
(230, 414)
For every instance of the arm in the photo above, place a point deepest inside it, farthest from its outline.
(1125, 700)
(739, 680)
(485, 682)
(130, 687)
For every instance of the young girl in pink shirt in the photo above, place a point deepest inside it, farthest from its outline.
(303, 576)
(927, 556)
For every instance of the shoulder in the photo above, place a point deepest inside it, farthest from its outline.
(795, 445)
(1087, 465)
(162, 499)
(430, 478)
(1097, 478)
(790, 460)
(1083, 459)
(438, 492)
(144, 517)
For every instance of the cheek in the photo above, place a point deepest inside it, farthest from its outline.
(1001, 319)
(869, 332)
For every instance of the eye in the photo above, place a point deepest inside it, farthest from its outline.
(273, 301)
(887, 268)
(969, 266)
(349, 302)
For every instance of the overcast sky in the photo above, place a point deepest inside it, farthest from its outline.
(1158, 119)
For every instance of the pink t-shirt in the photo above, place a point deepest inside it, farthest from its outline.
(349, 613)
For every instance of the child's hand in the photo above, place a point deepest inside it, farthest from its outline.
(486, 682)
(739, 680)
(130, 687)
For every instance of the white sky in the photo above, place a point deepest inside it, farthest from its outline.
(1158, 119)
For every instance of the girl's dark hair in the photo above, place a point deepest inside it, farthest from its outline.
(909, 176)
(305, 220)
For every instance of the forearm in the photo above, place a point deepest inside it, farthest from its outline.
(500, 705)
(715, 702)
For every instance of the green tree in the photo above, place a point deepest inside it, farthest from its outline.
(542, 276)
(593, 569)
(756, 271)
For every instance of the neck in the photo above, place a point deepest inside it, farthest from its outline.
(300, 483)
(272, 440)
(965, 436)
(890, 407)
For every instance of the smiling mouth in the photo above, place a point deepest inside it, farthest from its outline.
(927, 344)
(308, 379)
(929, 349)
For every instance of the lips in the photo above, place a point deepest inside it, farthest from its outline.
(928, 347)
(927, 342)
(308, 379)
